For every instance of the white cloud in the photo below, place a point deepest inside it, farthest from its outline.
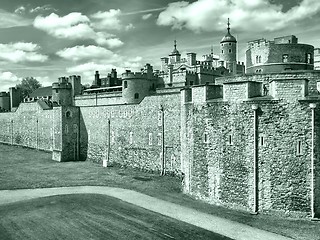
(43, 8)
(146, 16)
(72, 26)
(21, 52)
(20, 10)
(114, 42)
(129, 27)
(45, 80)
(86, 52)
(8, 20)
(121, 64)
(7, 80)
(109, 20)
(253, 15)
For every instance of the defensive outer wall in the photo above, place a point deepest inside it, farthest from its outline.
(235, 144)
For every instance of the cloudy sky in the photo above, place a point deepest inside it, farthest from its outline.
(47, 39)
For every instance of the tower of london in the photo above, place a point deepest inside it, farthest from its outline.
(241, 135)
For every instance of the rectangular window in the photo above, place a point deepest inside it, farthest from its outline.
(309, 58)
(131, 138)
(160, 118)
(150, 139)
(230, 140)
(159, 139)
(262, 141)
(125, 84)
(113, 137)
(299, 148)
(205, 138)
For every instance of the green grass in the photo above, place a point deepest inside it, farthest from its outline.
(89, 216)
(27, 168)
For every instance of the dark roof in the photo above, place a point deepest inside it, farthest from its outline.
(42, 92)
(228, 38)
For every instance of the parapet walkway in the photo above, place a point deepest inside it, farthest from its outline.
(209, 222)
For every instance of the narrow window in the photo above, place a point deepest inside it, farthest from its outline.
(230, 140)
(229, 43)
(309, 58)
(259, 59)
(131, 138)
(222, 51)
(160, 118)
(125, 84)
(56, 90)
(136, 96)
(159, 139)
(150, 139)
(205, 138)
(113, 137)
(299, 148)
(285, 58)
(230, 50)
(66, 128)
(262, 141)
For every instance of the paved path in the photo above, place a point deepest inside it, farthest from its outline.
(209, 222)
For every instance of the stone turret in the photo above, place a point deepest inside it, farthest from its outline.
(228, 53)
(175, 56)
(62, 92)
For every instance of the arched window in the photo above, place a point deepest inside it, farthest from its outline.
(136, 96)
(125, 84)
(309, 60)
(285, 58)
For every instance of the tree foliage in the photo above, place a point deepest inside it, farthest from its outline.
(28, 85)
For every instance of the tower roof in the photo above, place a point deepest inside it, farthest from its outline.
(228, 37)
(175, 51)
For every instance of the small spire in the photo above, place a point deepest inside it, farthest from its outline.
(228, 25)
(211, 50)
(175, 44)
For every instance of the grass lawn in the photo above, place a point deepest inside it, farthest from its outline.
(89, 216)
(27, 168)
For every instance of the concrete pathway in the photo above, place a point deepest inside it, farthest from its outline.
(209, 222)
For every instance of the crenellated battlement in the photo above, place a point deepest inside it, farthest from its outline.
(133, 75)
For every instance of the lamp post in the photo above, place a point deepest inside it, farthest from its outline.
(163, 171)
(312, 107)
(255, 159)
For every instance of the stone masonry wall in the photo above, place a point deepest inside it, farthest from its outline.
(312, 76)
(135, 133)
(29, 126)
(219, 166)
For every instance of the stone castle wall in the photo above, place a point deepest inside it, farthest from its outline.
(312, 76)
(135, 133)
(29, 126)
(217, 153)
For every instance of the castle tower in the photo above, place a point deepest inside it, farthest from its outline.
(228, 50)
(135, 86)
(175, 55)
(62, 92)
(15, 97)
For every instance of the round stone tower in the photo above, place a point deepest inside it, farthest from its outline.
(62, 92)
(228, 48)
(135, 86)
